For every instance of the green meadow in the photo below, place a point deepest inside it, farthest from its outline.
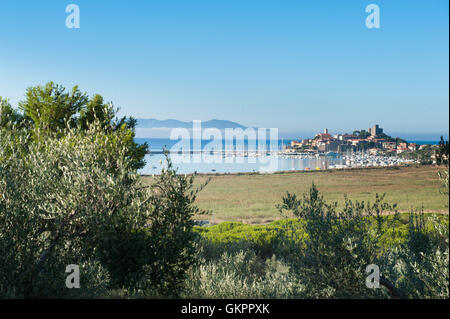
(252, 198)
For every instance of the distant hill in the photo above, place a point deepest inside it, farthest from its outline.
(171, 123)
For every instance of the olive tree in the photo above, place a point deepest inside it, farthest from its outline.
(77, 199)
(49, 109)
(340, 244)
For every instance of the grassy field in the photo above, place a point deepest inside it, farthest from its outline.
(252, 198)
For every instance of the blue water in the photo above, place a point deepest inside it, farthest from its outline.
(216, 164)
(157, 144)
(206, 163)
(425, 142)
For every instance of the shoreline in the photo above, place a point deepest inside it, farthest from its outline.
(276, 163)
(329, 170)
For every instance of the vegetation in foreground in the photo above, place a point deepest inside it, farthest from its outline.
(73, 196)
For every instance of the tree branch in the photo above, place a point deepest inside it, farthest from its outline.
(395, 292)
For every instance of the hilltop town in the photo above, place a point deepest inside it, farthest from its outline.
(374, 140)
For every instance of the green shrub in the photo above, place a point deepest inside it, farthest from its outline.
(242, 275)
(326, 252)
(49, 109)
(77, 199)
(340, 244)
(265, 239)
(420, 265)
(413, 257)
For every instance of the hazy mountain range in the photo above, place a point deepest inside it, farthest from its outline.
(153, 128)
(219, 124)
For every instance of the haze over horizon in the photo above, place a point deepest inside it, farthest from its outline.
(297, 66)
(154, 128)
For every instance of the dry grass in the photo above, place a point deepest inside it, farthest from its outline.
(252, 198)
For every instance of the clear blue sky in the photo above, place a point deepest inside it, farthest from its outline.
(296, 65)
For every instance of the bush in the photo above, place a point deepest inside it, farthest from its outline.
(420, 265)
(266, 240)
(324, 253)
(55, 198)
(77, 199)
(242, 275)
(413, 258)
(340, 245)
(48, 110)
(169, 231)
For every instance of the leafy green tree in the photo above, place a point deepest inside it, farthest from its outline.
(420, 265)
(50, 107)
(442, 153)
(340, 245)
(76, 199)
(8, 115)
(361, 133)
(96, 109)
(364, 134)
(399, 140)
(136, 152)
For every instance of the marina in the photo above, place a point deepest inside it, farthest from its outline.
(266, 162)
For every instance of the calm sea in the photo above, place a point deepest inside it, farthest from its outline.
(204, 163)
(157, 144)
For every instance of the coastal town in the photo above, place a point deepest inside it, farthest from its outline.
(373, 141)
